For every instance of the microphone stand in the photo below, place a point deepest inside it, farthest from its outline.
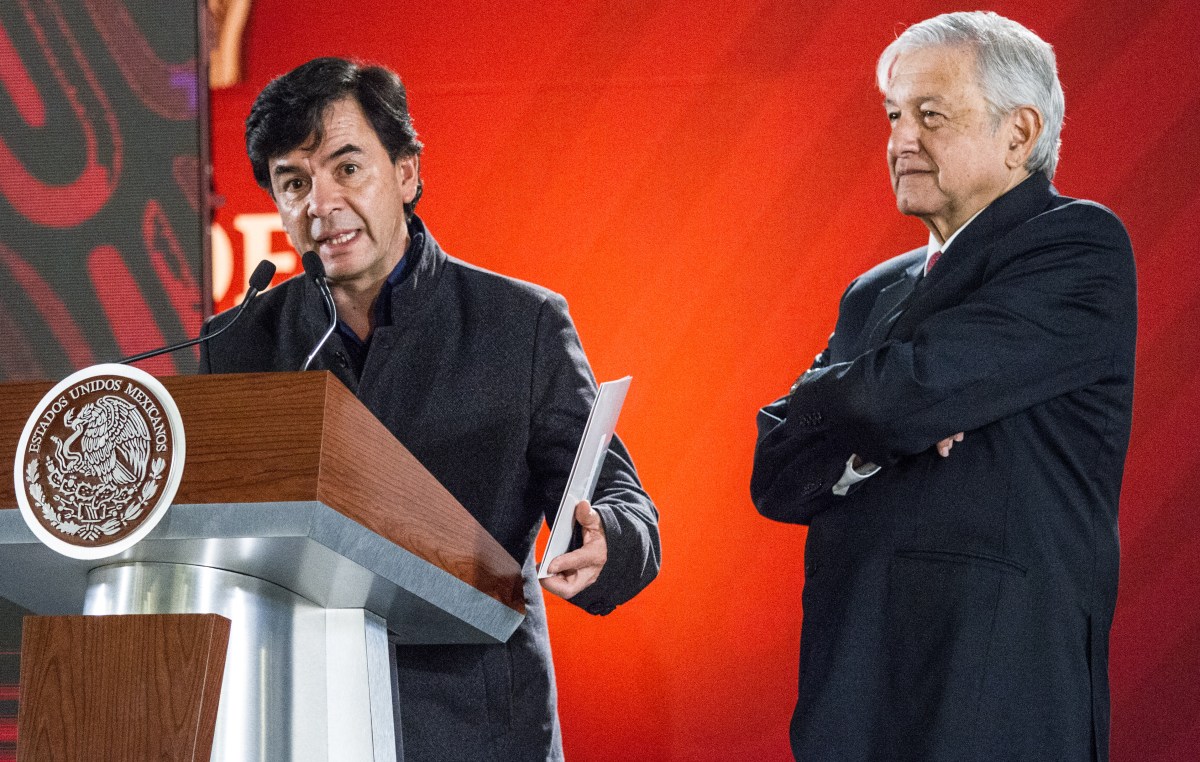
(258, 281)
(315, 269)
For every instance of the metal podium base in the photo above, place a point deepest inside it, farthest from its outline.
(301, 682)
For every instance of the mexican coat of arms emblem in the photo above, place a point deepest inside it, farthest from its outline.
(99, 461)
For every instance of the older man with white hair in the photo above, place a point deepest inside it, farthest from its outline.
(957, 448)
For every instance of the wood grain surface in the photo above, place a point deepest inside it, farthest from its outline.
(133, 687)
(369, 476)
(282, 437)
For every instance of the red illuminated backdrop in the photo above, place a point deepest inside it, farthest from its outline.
(701, 179)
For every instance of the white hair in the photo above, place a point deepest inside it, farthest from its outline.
(1015, 68)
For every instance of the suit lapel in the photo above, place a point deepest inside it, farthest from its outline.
(962, 269)
(891, 302)
(1005, 213)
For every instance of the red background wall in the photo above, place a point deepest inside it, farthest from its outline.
(701, 179)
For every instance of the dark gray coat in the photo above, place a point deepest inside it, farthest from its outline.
(483, 378)
(959, 608)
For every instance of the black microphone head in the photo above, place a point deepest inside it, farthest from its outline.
(313, 265)
(261, 278)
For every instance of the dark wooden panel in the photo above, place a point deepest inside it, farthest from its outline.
(18, 400)
(135, 687)
(251, 438)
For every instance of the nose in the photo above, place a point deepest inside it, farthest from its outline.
(905, 137)
(324, 197)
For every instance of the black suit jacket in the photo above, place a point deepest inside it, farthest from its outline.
(959, 608)
(483, 378)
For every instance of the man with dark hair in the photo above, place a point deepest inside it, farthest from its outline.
(957, 448)
(481, 376)
(291, 109)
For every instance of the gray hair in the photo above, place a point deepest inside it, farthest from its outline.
(1015, 68)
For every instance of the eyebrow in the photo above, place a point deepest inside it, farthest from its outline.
(287, 169)
(919, 99)
(346, 149)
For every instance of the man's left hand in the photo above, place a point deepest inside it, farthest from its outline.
(572, 572)
(943, 447)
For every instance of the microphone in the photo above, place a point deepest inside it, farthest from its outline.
(259, 280)
(314, 268)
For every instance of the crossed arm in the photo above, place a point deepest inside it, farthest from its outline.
(1043, 322)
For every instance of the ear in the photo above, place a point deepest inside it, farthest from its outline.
(408, 176)
(1024, 126)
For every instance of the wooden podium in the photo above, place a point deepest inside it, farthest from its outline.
(302, 521)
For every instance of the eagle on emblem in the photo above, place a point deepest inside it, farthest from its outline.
(114, 442)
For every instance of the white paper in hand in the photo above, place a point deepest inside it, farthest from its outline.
(589, 459)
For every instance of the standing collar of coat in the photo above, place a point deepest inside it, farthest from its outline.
(409, 297)
(413, 294)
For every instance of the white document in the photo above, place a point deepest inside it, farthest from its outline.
(589, 458)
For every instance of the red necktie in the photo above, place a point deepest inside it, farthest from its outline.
(932, 261)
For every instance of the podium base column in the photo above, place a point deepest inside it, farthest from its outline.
(301, 682)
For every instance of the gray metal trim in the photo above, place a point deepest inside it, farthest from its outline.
(305, 547)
